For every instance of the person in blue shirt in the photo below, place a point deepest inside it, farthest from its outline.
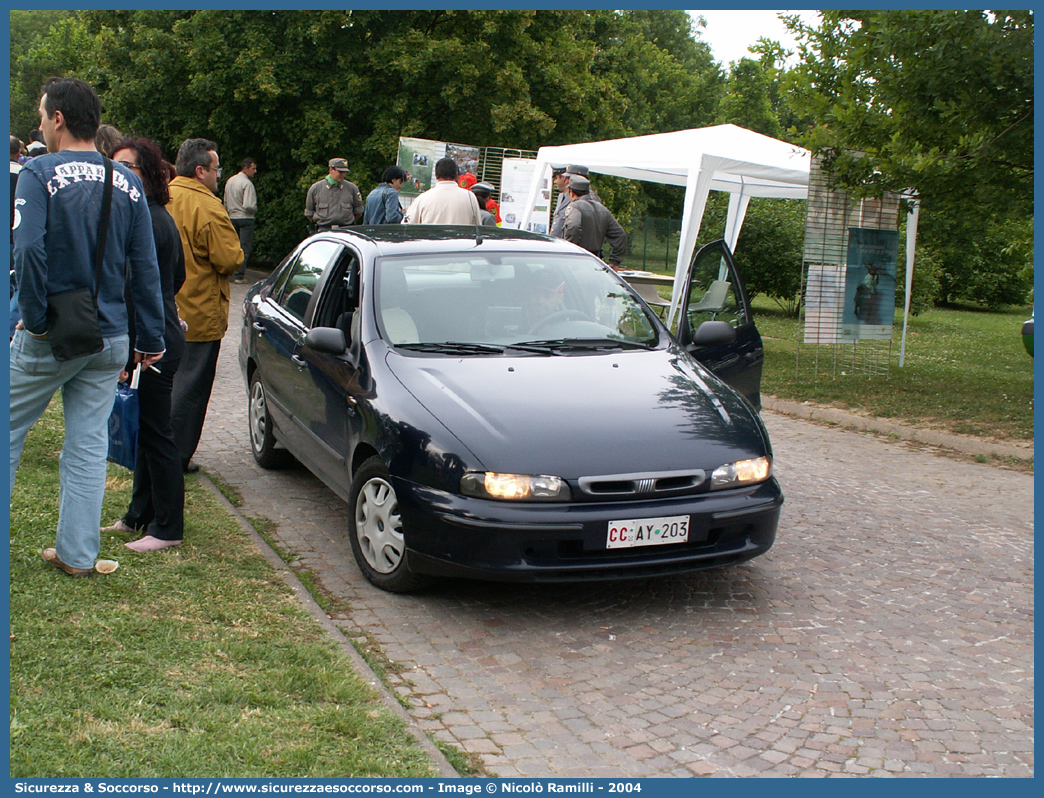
(382, 204)
(16, 168)
(58, 204)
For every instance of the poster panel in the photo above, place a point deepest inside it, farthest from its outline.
(516, 177)
(467, 158)
(870, 276)
(824, 296)
(417, 157)
(540, 221)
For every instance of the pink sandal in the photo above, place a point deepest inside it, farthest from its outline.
(149, 543)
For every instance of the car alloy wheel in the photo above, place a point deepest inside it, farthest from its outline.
(376, 530)
(262, 441)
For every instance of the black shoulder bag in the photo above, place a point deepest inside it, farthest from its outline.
(72, 316)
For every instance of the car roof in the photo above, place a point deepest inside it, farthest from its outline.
(413, 238)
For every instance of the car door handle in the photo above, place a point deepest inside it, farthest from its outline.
(258, 326)
(300, 361)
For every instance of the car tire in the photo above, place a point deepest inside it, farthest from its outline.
(262, 438)
(376, 533)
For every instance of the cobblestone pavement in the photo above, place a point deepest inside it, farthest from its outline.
(889, 631)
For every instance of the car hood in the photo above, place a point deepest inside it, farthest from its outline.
(585, 415)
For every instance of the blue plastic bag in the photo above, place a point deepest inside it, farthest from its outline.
(124, 423)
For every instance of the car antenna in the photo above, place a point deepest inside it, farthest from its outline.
(478, 235)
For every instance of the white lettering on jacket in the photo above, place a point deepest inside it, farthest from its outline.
(65, 174)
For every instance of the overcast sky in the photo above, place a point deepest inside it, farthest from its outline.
(730, 33)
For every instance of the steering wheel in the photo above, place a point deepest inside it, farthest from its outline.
(560, 315)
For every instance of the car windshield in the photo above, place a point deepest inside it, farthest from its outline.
(485, 303)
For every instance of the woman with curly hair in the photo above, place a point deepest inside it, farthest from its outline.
(157, 505)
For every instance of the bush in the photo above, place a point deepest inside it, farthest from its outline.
(983, 260)
(769, 250)
(925, 287)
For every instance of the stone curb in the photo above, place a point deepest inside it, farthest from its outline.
(362, 667)
(959, 443)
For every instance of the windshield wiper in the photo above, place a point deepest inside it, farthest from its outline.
(585, 344)
(453, 348)
(473, 348)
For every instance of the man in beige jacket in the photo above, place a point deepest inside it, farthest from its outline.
(212, 253)
(445, 202)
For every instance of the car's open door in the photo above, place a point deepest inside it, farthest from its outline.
(714, 292)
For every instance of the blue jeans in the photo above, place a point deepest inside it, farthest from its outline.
(88, 387)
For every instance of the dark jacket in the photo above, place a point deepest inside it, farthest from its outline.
(59, 199)
(171, 257)
(589, 224)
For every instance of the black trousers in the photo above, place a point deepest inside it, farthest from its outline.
(157, 504)
(191, 395)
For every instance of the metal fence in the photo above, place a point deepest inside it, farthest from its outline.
(653, 244)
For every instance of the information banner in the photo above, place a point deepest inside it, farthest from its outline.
(417, 157)
(467, 158)
(516, 178)
(870, 276)
(824, 295)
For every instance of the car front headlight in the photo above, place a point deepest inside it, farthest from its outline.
(514, 487)
(742, 472)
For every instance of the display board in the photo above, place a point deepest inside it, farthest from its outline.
(418, 157)
(850, 251)
(509, 171)
(869, 284)
(516, 177)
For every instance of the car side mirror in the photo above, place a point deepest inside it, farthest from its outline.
(328, 340)
(714, 333)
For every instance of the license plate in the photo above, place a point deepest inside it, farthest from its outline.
(647, 532)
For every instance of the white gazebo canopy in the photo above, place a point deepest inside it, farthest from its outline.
(719, 158)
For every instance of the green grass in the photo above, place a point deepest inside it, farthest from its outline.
(965, 371)
(196, 661)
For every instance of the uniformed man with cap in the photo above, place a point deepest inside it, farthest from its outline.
(334, 201)
(560, 174)
(483, 191)
(588, 223)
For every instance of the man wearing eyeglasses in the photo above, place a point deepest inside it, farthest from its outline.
(212, 255)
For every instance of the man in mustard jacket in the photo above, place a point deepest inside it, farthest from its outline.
(212, 254)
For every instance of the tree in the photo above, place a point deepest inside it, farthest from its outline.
(747, 102)
(773, 57)
(294, 88)
(42, 44)
(940, 102)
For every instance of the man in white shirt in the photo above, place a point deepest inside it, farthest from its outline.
(241, 204)
(445, 202)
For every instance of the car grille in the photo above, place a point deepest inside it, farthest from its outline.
(645, 485)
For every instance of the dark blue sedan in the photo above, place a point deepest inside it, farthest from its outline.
(502, 405)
